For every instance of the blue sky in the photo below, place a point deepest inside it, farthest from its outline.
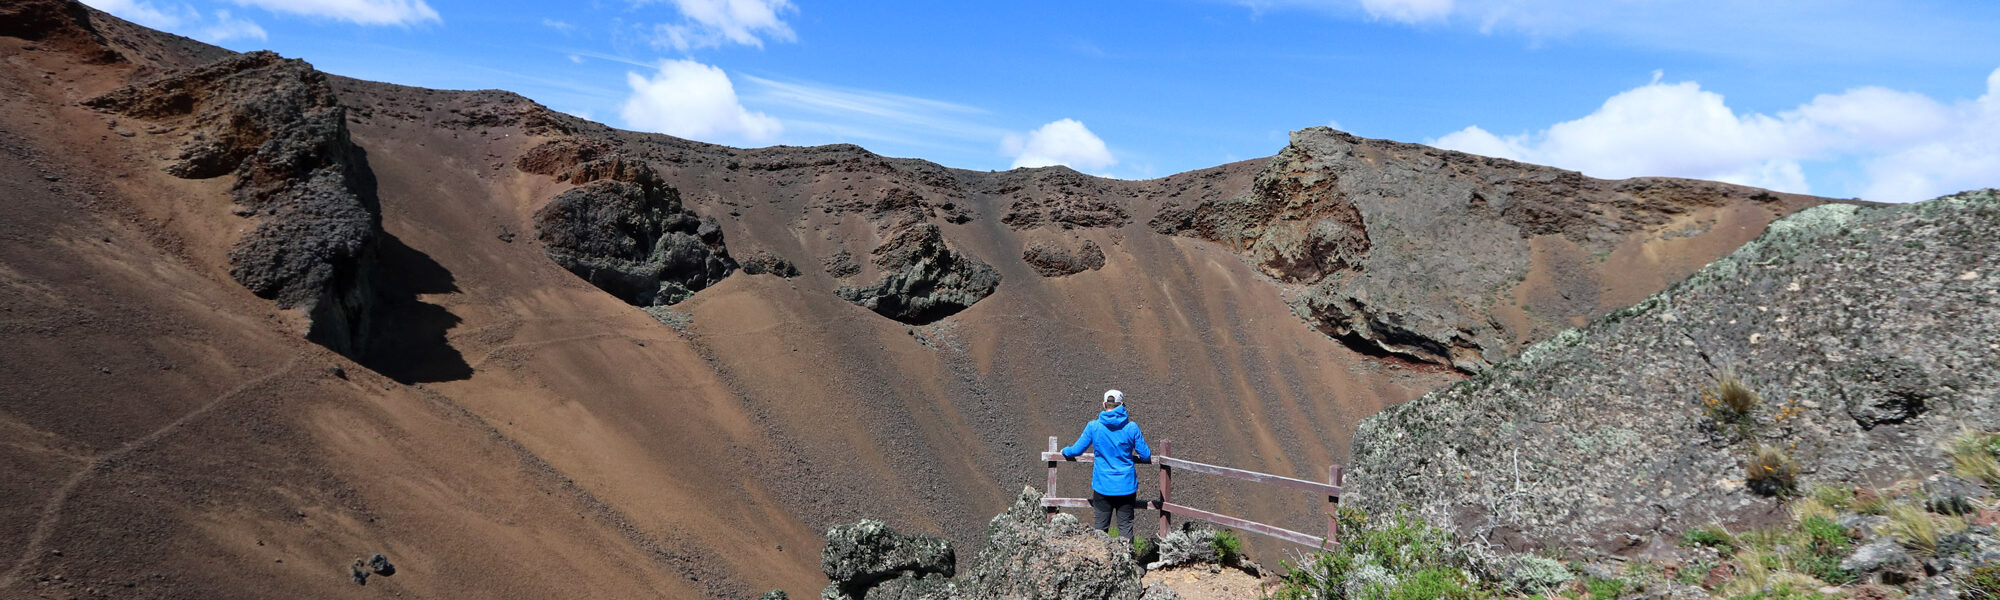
(1883, 99)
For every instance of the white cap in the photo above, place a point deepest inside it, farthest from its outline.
(1114, 397)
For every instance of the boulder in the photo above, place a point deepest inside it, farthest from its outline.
(633, 240)
(922, 278)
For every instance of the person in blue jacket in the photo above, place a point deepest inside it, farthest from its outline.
(1113, 485)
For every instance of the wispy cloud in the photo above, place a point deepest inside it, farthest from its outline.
(873, 114)
(563, 27)
(362, 12)
(216, 27)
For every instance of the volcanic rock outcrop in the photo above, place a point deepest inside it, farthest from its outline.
(623, 229)
(275, 125)
(869, 560)
(1416, 252)
(1868, 333)
(922, 278)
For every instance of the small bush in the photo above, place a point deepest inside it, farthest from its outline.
(1145, 550)
(1826, 543)
(1982, 583)
(1770, 471)
(1604, 589)
(1228, 547)
(1388, 559)
(1711, 536)
(1429, 584)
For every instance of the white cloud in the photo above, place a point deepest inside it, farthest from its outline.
(1966, 155)
(1066, 142)
(363, 12)
(1408, 11)
(1911, 146)
(688, 99)
(184, 19)
(709, 23)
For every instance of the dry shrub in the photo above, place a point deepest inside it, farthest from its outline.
(1770, 471)
(1730, 402)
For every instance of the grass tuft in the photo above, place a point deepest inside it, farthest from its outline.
(1912, 526)
(1770, 471)
(1972, 456)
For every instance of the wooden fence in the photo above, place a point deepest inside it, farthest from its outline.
(1168, 464)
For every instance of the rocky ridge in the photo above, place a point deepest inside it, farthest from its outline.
(1868, 333)
(1411, 251)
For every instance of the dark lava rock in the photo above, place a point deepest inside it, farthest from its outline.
(762, 262)
(1050, 259)
(276, 125)
(922, 278)
(841, 265)
(864, 557)
(633, 240)
(1598, 438)
(379, 564)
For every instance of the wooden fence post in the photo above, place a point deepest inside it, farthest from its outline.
(1166, 487)
(1051, 492)
(1333, 476)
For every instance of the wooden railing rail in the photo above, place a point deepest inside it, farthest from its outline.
(1168, 464)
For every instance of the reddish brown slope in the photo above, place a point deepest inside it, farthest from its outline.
(537, 437)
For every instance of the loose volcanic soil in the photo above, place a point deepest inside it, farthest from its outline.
(518, 433)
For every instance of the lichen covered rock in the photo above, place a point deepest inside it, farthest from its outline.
(1868, 332)
(1028, 556)
(866, 557)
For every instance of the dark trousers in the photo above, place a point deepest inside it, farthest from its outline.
(1102, 506)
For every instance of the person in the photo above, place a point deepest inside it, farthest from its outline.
(1114, 488)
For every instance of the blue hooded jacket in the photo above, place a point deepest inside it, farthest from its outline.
(1116, 438)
